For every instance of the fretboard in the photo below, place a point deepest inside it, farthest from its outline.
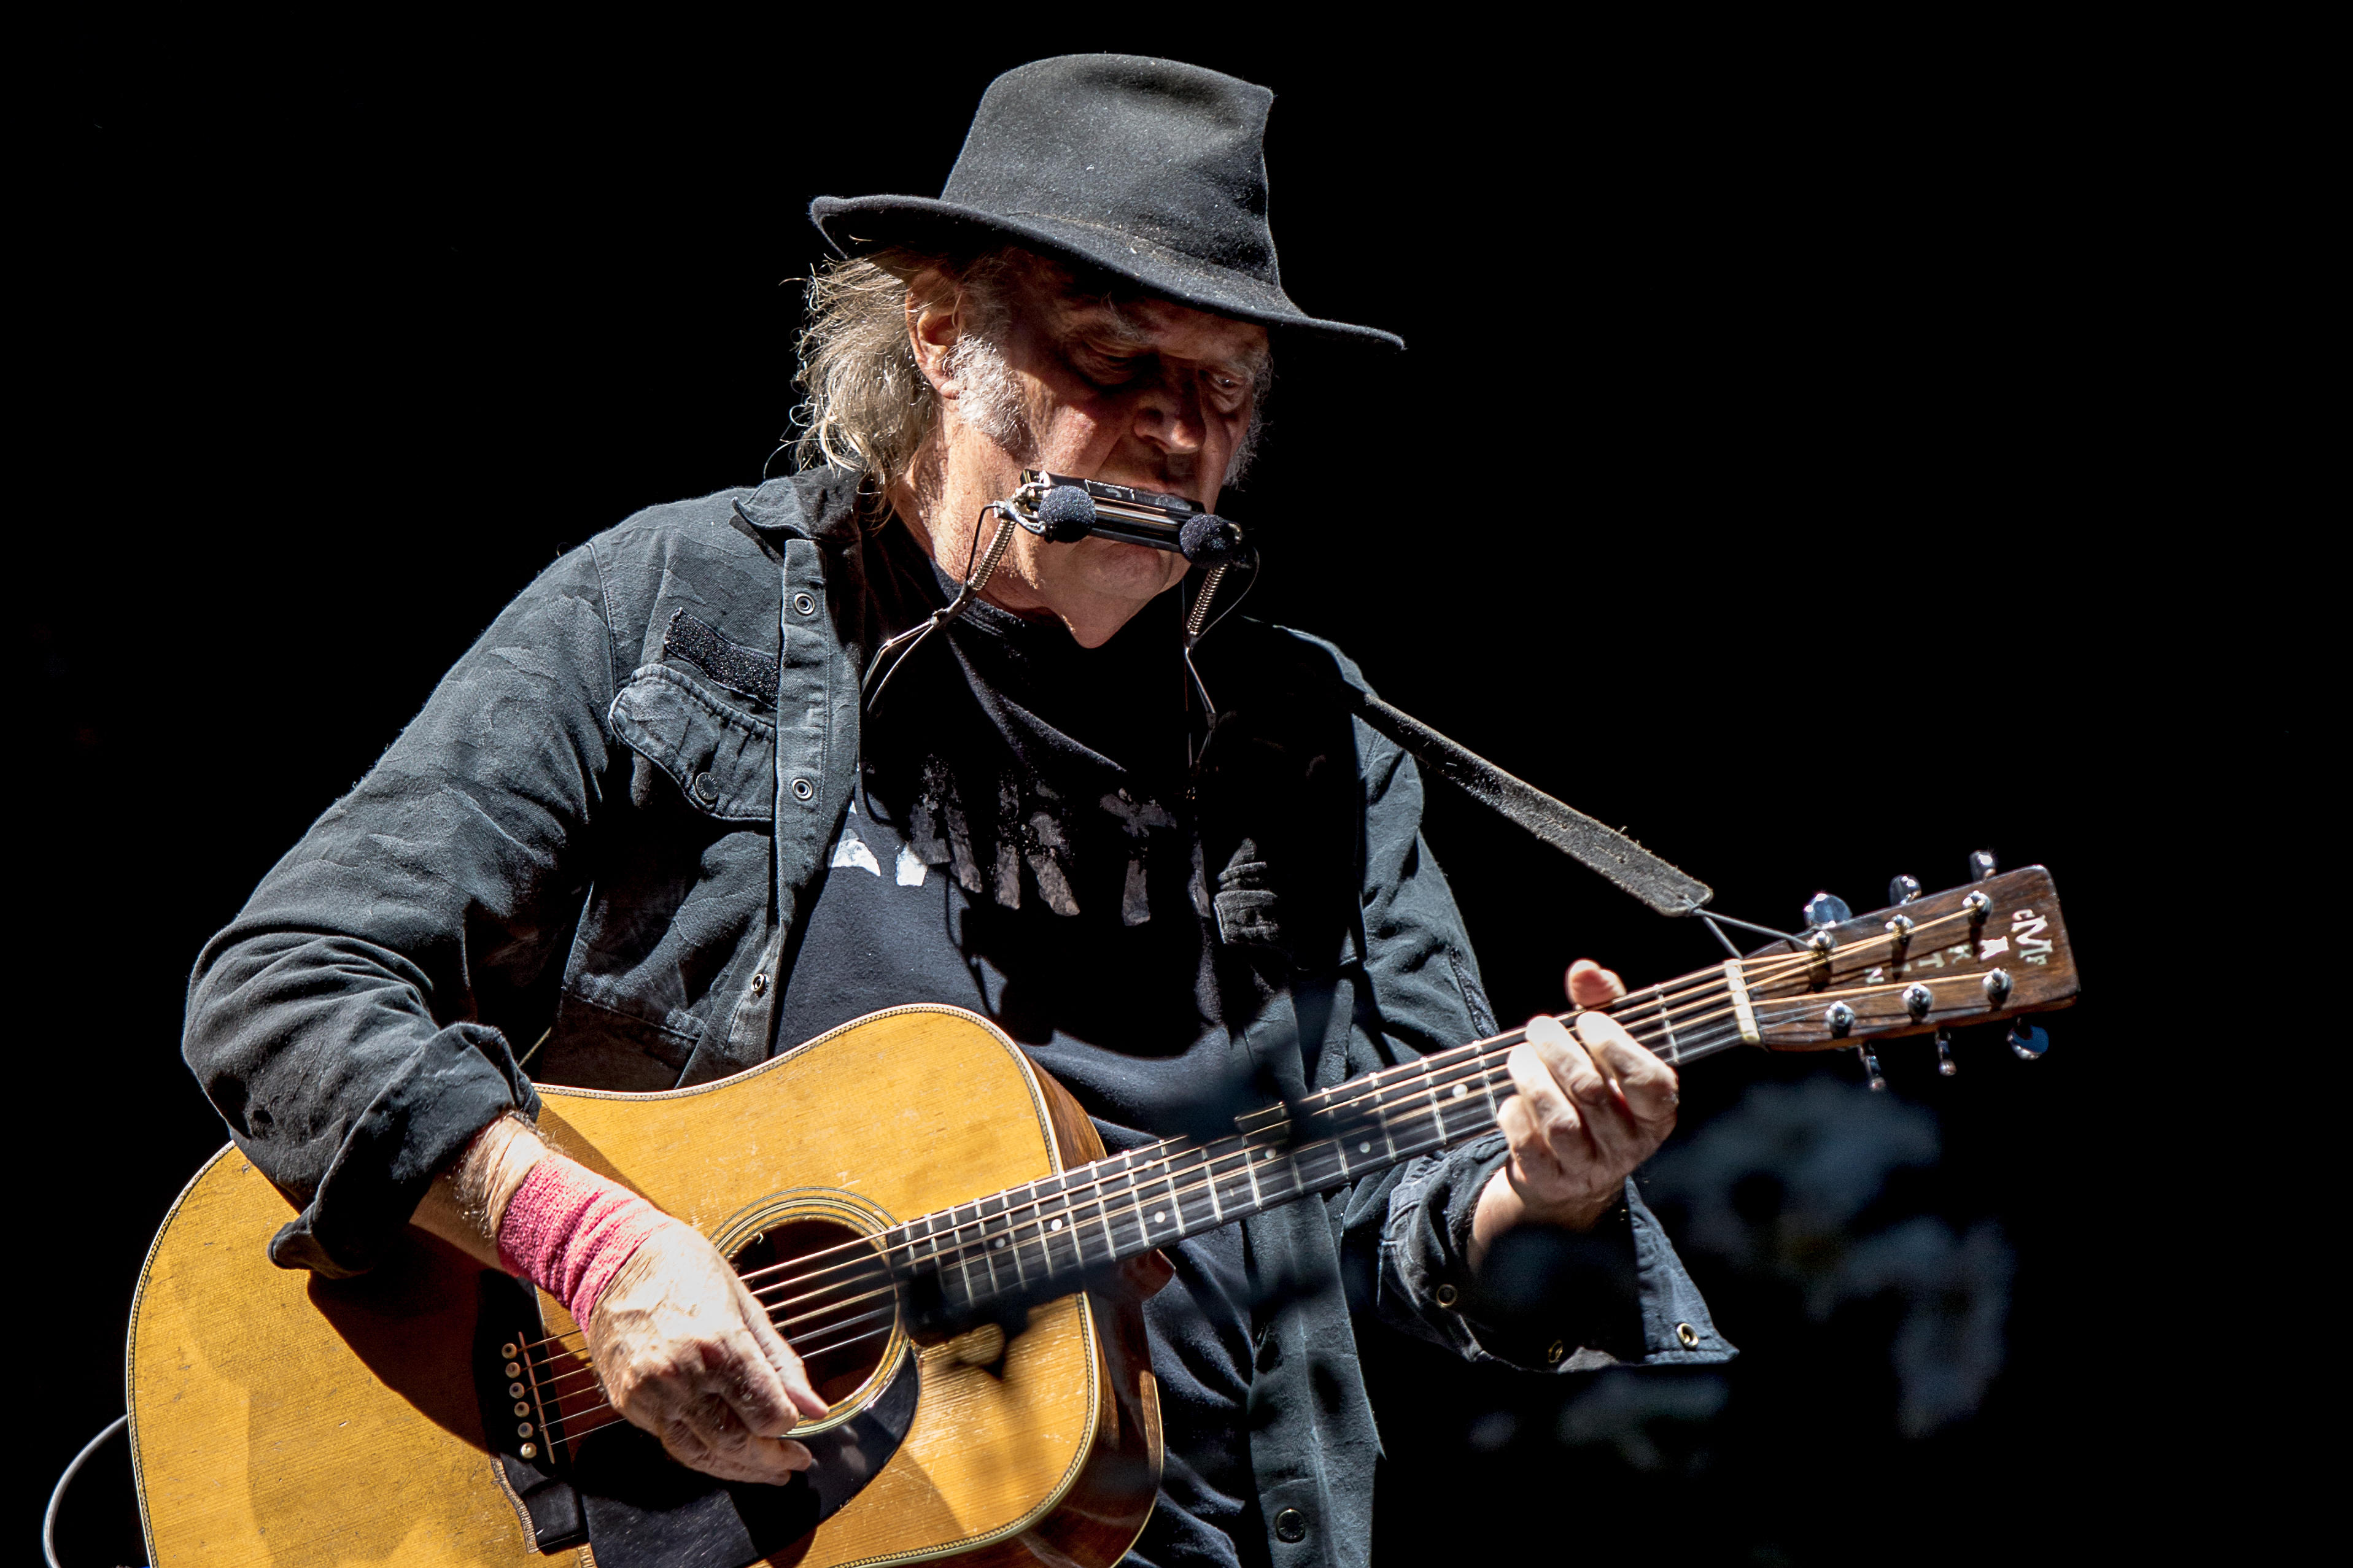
(1040, 1239)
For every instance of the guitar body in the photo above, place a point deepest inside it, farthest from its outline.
(280, 1418)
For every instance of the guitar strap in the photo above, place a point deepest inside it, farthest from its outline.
(1626, 865)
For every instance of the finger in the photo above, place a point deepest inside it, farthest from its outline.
(753, 1386)
(1571, 1064)
(790, 1373)
(1530, 1153)
(1590, 986)
(1543, 1070)
(1650, 1088)
(1620, 1139)
(706, 1437)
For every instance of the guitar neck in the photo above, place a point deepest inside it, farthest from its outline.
(1043, 1237)
(1991, 950)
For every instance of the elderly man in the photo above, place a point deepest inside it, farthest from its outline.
(1036, 820)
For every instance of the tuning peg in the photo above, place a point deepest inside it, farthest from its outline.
(2028, 1041)
(1870, 1068)
(1827, 910)
(1980, 864)
(1904, 889)
(1944, 1066)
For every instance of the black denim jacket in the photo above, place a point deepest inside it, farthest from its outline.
(600, 831)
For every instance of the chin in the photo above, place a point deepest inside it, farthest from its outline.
(1130, 570)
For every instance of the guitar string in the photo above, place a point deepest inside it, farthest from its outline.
(1035, 1227)
(1106, 1217)
(963, 1252)
(1174, 1188)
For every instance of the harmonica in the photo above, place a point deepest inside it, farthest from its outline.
(1132, 516)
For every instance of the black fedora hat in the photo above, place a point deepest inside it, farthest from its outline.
(1150, 169)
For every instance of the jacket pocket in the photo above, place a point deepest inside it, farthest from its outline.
(724, 760)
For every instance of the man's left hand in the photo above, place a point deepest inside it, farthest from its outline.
(1590, 1106)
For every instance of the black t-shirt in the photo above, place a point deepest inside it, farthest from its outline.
(1021, 848)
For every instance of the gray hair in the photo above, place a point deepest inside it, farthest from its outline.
(867, 405)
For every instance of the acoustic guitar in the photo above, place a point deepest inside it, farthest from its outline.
(929, 1220)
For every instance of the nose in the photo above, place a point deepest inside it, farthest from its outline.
(1168, 414)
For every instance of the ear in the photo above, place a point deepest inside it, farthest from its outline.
(935, 322)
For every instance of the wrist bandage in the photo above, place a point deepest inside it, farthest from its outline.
(568, 1231)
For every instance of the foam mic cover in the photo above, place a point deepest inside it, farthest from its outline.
(1068, 512)
(1208, 540)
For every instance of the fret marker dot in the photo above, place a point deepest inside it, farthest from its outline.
(1461, 1089)
(1056, 1226)
(1000, 1242)
(1159, 1214)
(1364, 1147)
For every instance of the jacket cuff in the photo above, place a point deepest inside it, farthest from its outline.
(1547, 1300)
(459, 1082)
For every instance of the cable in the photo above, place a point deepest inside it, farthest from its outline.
(58, 1496)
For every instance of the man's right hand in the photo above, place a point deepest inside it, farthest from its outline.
(685, 1351)
(680, 1344)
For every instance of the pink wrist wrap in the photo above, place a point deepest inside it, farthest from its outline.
(568, 1231)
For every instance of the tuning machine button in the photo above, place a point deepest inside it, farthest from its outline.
(1870, 1068)
(1917, 999)
(1997, 986)
(1944, 1068)
(1980, 864)
(1839, 1017)
(1978, 907)
(1827, 910)
(2027, 1042)
(1903, 889)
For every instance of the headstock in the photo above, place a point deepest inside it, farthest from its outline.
(1974, 954)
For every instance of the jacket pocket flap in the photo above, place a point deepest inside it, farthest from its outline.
(724, 762)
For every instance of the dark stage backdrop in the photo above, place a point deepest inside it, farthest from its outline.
(1779, 455)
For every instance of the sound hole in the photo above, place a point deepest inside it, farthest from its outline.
(831, 1297)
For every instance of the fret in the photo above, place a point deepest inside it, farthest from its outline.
(1674, 1052)
(1175, 1210)
(1437, 1106)
(931, 1238)
(1029, 1236)
(963, 1252)
(1005, 1239)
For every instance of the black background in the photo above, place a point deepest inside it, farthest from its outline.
(1824, 454)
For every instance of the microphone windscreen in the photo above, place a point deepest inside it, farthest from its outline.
(1208, 540)
(1067, 512)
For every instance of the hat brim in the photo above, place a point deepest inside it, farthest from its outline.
(854, 225)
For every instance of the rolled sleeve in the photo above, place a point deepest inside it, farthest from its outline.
(349, 1023)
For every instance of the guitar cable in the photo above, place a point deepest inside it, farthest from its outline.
(65, 1479)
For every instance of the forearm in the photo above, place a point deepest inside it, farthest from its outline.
(468, 1200)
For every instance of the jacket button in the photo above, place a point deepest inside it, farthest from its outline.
(804, 605)
(705, 789)
(804, 789)
(759, 985)
(1555, 1351)
(1689, 1335)
(1445, 1295)
(1290, 1526)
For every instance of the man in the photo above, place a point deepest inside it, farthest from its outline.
(652, 806)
